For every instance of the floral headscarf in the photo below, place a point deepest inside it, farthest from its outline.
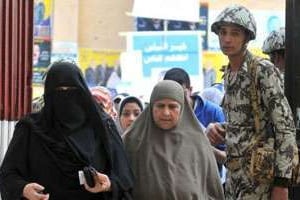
(103, 97)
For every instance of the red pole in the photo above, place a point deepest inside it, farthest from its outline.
(16, 40)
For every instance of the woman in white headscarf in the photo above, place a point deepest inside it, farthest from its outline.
(170, 155)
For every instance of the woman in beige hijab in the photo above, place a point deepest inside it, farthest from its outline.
(170, 155)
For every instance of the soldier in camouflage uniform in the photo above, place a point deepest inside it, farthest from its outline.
(274, 46)
(235, 27)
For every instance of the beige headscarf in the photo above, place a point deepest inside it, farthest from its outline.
(175, 164)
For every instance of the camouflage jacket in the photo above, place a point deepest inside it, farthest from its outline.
(273, 107)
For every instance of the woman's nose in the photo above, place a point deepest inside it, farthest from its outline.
(166, 111)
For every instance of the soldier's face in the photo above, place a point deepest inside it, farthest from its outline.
(232, 40)
(278, 60)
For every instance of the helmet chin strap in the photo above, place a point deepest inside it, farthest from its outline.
(244, 48)
(245, 45)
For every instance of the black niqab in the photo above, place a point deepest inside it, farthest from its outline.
(68, 109)
(70, 133)
(76, 132)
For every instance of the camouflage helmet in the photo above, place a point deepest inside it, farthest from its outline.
(275, 41)
(238, 15)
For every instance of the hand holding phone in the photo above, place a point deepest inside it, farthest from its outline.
(89, 173)
(94, 181)
(87, 176)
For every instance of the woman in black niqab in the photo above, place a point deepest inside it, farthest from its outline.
(70, 133)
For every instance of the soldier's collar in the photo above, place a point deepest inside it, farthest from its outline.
(248, 57)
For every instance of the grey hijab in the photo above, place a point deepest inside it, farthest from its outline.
(175, 164)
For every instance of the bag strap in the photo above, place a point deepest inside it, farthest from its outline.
(254, 95)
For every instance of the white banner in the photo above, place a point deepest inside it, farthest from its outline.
(181, 10)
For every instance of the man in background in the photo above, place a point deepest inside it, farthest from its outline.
(205, 111)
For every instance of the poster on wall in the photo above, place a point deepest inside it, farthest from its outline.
(150, 54)
(154, 24)
(100, 68)
(166, 51)
(41, 39)
(41, 53)
(203, 24)
(41, 59)
(42, 19)
(267, 21)
(64, 51)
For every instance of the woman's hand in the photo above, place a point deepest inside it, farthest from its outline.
(102, 184)
(33, 191)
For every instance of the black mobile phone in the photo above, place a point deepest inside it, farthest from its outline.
(89, 173)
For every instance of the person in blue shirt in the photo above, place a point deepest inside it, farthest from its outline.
(205, 111)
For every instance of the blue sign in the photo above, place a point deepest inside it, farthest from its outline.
(168, 51)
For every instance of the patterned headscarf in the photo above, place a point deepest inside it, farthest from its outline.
(103, 98)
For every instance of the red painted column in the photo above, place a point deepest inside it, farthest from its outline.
(16, 38)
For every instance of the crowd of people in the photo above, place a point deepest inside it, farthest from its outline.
(174, 147)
